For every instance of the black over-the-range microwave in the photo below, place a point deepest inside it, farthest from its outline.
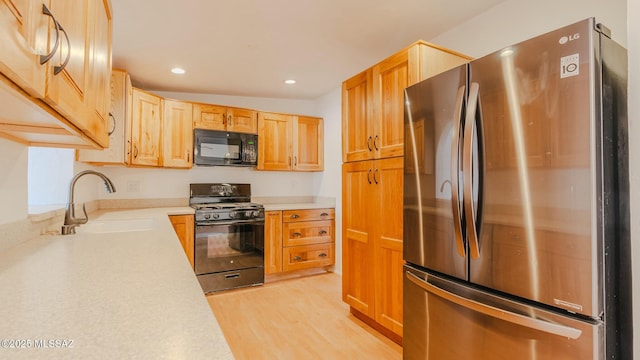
(211, 147)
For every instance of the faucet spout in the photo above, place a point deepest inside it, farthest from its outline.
(70, 219)
(443, 184)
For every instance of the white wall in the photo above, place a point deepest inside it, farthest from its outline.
(517, 20)
(50, 171)
(633, 22)
(329, 183)
(13, 181)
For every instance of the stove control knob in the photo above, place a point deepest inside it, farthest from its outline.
(216, 216)
(256, 213)
(207, 216)
(232, 215)
(247, 214)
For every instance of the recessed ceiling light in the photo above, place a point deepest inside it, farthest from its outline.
(290, 82)
(178, 71)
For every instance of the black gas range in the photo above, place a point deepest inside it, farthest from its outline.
(229, 236)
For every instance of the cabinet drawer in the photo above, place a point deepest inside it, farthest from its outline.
(308, 256)
(307, 215)
(308, 232)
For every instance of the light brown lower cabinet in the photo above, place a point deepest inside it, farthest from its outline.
(299, 239)
(372, 242)
(184, 227)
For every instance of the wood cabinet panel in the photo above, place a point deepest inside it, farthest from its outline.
(69, 103)
(212, 117)
(357, 125)
(273, 242)
(307, 232)
(275, 138)
(290, 143)
(373, 101)
(308, 215)
(307, 256)
(119, 124)
(222, 118)
(357, 236)
(308, 144)
(146, 128)
(242, 120)
(177, 134)
(299, 239)
(390, 78)
(372, 178)
(184, 228)
(23, 35)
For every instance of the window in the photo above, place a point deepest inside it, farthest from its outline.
(49, 173)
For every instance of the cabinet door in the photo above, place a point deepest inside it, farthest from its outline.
(357, 124)
(146, 129)
(118, 118)
(272, 242)
(275, 133)
(68, 91)
(390, 78)
(184, 227)
(308, 144)
(358, 202)
(388, 180)
(23, 38)
(307, 232)
(242, 120)
(210, 117)
(100, 70)
(177, 134)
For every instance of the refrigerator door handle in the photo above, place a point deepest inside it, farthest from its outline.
(522, 320)
(467, 158)
(455, 166)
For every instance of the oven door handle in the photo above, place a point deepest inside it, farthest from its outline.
(235, 222)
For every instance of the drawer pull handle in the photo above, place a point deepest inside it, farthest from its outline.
(296, 234)
(324, 214)
(297, 258)
(322, 255)
(295, 216)
(323, 232)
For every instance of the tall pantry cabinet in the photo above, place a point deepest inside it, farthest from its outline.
(372, 181)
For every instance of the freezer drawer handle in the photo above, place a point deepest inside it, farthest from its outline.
(497, 313)
(455, 167)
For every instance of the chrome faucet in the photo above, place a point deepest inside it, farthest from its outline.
(70, 220)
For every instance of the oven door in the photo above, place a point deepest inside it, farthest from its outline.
(225, 246)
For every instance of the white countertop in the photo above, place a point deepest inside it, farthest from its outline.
(297, 206)
(109, 295)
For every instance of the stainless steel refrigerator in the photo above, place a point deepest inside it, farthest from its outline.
(516, 204)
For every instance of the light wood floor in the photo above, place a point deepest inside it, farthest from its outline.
(301, 318)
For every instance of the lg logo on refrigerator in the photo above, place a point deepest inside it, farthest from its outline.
(565, 39)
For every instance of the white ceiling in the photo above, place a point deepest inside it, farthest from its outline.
(249, 47)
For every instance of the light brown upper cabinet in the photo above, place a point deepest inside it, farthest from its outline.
(290, 143)
(214, 117)
(373, 100)
(177, 134)
(119, 124)
(146, 129)
(56, 66)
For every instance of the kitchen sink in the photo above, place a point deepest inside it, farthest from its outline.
(116, 225)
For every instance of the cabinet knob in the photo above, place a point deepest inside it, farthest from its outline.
(297, 258)
(324, 214)
(295, 216)
(296, 234)
(322, 255)
(323, 232)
